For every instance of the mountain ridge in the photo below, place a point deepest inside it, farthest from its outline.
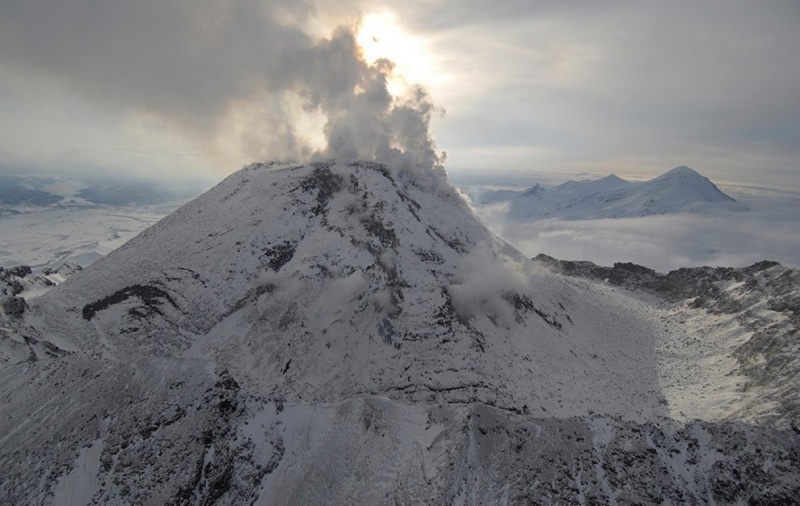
(681, 189)
(762, 300)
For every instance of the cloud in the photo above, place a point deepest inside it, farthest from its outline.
(625, 85)
(247, 79)
(631, 87)
(768, 231)
(483, 281)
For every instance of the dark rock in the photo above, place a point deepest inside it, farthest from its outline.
(14, 306)
(150, 296)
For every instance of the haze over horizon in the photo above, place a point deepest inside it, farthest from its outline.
(192, 89)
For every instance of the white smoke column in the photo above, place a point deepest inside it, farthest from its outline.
(364, 120)
(239, 75)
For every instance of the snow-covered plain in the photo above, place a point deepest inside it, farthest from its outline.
(46, 220)
(46, 237)
(348, 333)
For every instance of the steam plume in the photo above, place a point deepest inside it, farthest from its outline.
(239, 75)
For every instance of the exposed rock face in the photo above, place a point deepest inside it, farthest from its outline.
(17, 285)
(14, 306)
(345, 333)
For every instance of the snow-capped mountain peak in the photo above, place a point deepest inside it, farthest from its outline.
(346, 333)
(325, 281)
(686, 178)
(534, 190)
(681, 189)
(681, 171)
(612, 181)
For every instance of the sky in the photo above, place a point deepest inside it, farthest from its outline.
(189, 89)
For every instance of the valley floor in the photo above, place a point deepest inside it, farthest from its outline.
(693, 352)
(46, 237)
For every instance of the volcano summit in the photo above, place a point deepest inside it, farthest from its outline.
(349, 333)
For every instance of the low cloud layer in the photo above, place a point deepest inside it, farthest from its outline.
(768, 231)
(246, 79)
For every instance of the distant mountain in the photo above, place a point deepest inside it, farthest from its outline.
(349, 333)
(680, 190)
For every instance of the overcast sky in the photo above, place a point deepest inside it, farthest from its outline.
(200, 87)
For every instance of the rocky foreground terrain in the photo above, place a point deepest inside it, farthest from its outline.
(762, 301)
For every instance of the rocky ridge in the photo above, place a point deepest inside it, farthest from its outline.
(762, 299)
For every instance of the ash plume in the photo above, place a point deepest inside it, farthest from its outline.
(241, 77)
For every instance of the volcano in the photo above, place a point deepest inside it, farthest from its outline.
(350, 333)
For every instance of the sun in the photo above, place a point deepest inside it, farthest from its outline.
(381, 35)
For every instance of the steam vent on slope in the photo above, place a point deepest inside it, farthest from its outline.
(346, 333)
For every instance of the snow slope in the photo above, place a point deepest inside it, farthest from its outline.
(324, 282)
(728, 344)
(679, 190)
(348, 333)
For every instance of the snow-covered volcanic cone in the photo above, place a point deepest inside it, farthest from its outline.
(347, 333)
